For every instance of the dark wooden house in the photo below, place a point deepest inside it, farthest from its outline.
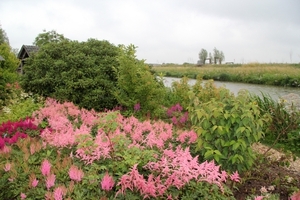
(25, 52)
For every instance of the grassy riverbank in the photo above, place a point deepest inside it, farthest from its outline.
(267, 74)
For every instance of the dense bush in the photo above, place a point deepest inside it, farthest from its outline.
(8, 72)
(284, 127)
(227, 127)
(81, 72)
(138, 89)
(18, 104)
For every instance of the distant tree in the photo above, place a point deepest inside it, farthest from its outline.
(3, 36)
(218, 55)
(48, 37)
(202, 56)
(221, 57)
(210, 58)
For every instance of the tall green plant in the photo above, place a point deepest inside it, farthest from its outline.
(137, 85)
(283, 129)
(227, 128)
(8, 73)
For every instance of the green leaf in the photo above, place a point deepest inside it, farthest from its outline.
(208, 154)
(235, 146)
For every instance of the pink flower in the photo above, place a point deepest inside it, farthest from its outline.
(137, 107)
(58, 193)
(235, 177)
(46, 167)
(5, 150)
(50, 181)
(7, 167)
(75, 173)
(34, 183)
(295, 196)
(107, 182)
(259, 198)
(23, 196)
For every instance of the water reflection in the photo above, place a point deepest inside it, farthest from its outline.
(274, 91)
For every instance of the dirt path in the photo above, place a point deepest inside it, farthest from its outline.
(278, 156)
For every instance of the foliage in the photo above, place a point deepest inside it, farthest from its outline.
(18, 104)
(128, 159)
(3, 37)
(218, 55)
(180, 90)
(48, 37)
(137, 85)
(81, 72)
(8, 72)
(202, 56)
(227, 127)
(283, 129)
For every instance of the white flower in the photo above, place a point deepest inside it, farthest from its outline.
(263, 190)
(271, 188)
(6, 109)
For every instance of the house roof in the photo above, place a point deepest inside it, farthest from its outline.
(27, 50)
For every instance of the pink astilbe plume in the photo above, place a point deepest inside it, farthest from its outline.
(46, 167)
(134, 181)
(295, 196)
(7, 167)
(59, 192)
(63, 131)
(75, 173)
(5, 150)
(179, 167)
(187, 136)
(34, 182)
(107, 182)
(145, 133)
(23, 196)
(100, 148)
(50, 181)
(235, 177)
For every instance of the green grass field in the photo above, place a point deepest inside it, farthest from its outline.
(268, 74)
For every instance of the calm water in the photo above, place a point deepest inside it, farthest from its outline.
(274, 91)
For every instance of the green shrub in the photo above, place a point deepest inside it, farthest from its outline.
(227, 128)
(137, 86)
(283, 129)
(80, 72)
(8, 72)
(18, 104)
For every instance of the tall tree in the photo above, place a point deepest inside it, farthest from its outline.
(202, 56)
(210, 57)
(218, 56)
(48, 37)
(3, 36)
(221, 57)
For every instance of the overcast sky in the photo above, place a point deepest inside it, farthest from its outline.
(166, 31)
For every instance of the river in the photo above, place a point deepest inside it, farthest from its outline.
(274, 91)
